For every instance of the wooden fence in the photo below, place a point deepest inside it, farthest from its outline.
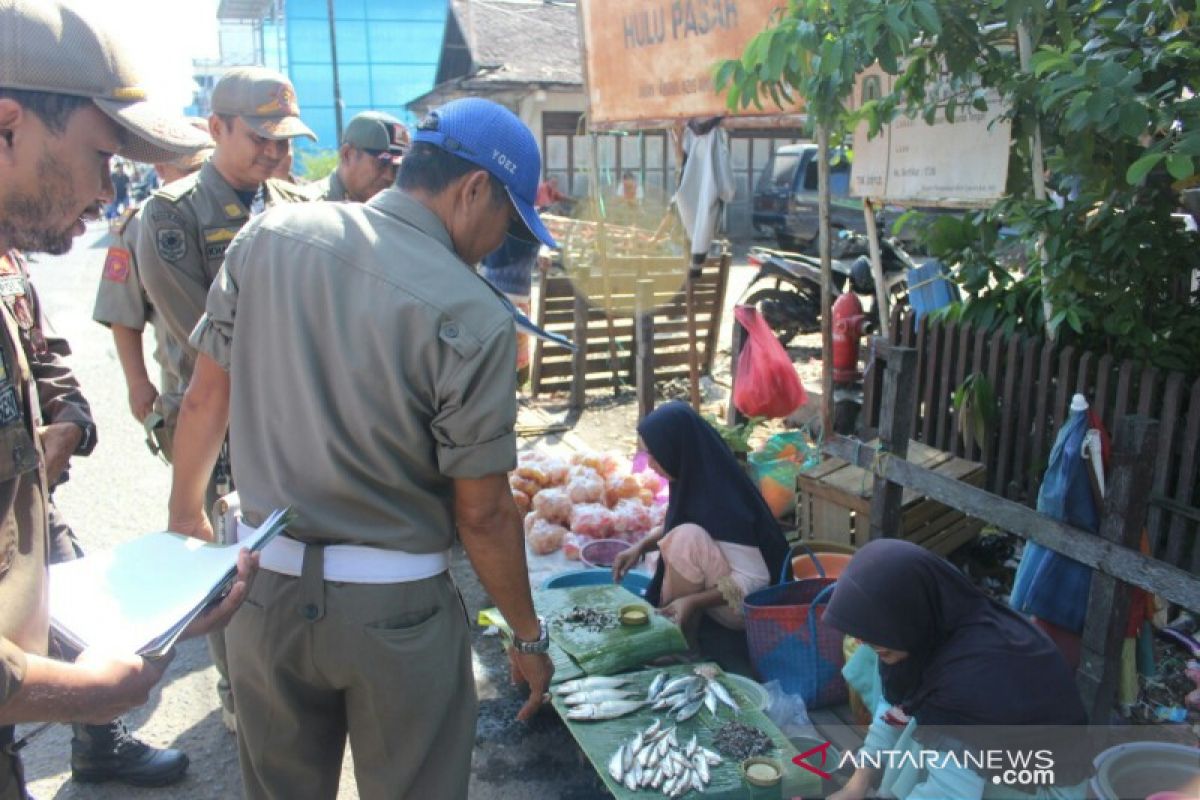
(1033, 382)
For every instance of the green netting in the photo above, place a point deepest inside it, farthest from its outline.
(599, 739)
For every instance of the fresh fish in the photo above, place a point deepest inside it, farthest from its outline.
(656, 685)
(690, 710)
(668, 768)
(712, 758)
(593, 696)
(724, 696)
(609, 709)
(627, 756)
(685, 680)
(700, 765)
(616, 766)
(662, 703)
(692, 745)
(653, 729)
(589, 683)
(636, 744)
(656, 780)
(638, 772)
(710, 700)
(645, 755)
(629, 782)
(664, 746)
(671, 738)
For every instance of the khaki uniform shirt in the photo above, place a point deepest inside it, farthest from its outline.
(24, 612)
(369, 367)
(183, 233)
(121, 299)
(329, 188)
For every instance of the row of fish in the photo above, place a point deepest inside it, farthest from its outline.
(598, 698)
(654, 759)
(602, 698)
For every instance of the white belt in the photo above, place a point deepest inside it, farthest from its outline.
(350, 563)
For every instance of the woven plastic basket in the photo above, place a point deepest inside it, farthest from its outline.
(789, 642)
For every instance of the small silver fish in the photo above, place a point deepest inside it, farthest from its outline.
(609, 709)
(657, 779)
(585, 684)
(710, 700)
(712, 758)
(656, 685)
(629, 782)
(644, 755)
(701, 766)
(664, 746)
(627, 756)
(593, 696)
(671, 737)
(690, 749)
(684, 680)
(653, 729)
(616, 767)
(689, 711)
(724, 696)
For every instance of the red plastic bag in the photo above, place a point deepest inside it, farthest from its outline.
(766, 383)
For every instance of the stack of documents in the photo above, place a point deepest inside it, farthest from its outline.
(140, 596)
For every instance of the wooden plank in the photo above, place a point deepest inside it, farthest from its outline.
(1121, 524)
(966, 338)
(1147, 389)
(1063, 387)
(718, 309)
(899, 405)
(995, 378)
(1173, 584)
(1102, 401)
(1185, 481)
(1021, 456)
(923, 337)
(872, 384)
(732, 415)
(1170, 414)
(1083, 375)
(1008, 416)
(931, 401)
(943, 428)
(644, 351)
(1121, 405)
(1040, 447)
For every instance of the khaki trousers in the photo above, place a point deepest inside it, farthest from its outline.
(389, 665)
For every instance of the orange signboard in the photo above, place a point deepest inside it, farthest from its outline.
(653, 60)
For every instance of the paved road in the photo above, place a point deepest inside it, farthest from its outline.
(120, 491)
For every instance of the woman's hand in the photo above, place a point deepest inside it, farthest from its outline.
(625, 561)
(857, 788)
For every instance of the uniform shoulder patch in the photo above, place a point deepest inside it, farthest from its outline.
(171, 243)
(116, 265)
(175, 190)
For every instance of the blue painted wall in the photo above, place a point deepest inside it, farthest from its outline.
(387, 54)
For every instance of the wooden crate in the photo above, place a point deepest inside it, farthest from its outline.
(833, 503)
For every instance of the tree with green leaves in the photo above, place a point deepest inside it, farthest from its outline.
(1111, 86)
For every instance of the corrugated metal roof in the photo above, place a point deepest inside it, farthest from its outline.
(243, 9)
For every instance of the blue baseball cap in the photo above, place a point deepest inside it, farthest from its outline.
(493, 138)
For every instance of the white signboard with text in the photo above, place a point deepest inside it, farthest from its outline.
(964, 163)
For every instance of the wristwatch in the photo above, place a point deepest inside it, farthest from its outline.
(541, 645)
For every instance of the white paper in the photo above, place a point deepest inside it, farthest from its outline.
(138, 597)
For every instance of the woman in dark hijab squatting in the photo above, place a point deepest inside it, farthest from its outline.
(961, 675)
(719, 540)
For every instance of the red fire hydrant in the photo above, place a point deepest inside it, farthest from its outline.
(848, 322)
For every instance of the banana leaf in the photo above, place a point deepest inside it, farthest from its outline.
(600, 739)
(577, 651)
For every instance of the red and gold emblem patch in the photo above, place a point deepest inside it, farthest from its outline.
(116, 265)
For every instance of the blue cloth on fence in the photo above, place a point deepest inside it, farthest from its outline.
(1050, 585)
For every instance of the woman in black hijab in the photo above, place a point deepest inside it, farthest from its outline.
(951, 657)
(719, 540)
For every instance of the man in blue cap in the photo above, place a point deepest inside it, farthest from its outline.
(366, 373)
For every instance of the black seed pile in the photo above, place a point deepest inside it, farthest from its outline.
(590, 618)
(737, 741)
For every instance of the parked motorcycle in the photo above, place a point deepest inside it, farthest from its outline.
(787, 288)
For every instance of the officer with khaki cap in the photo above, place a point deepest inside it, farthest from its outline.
(373, 145)
(187, 225)
(387, 450)
(69, 98)
(123, 306)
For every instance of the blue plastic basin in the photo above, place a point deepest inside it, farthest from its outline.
(635, 582)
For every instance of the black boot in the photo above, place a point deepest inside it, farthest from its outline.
(110, 753)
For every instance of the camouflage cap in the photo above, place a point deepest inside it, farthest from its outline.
(378, 133)
(262, 97)
(48, 47)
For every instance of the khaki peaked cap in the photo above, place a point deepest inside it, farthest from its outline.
(48, 47)
(263, 98)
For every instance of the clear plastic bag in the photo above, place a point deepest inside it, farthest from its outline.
(788, 712)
